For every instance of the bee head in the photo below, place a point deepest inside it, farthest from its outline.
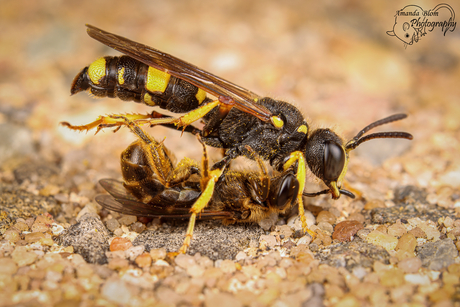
(283, 191)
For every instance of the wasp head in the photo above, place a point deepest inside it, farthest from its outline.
(327, 155)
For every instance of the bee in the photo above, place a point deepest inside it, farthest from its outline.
(236, 120)
(154, 187)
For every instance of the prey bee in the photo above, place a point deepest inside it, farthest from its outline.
(154, 187)
(237, 119)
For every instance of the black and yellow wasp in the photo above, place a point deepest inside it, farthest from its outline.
(237, 119)
(154, 186)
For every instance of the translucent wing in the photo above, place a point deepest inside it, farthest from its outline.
(245, 100)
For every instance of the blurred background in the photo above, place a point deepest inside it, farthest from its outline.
(332, 59)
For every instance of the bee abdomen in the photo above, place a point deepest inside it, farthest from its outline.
(129, 79)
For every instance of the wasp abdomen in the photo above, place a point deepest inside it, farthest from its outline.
(129, 79)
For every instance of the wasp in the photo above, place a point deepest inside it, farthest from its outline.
(154, 186)
(237, 119)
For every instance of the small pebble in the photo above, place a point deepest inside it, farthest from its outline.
(158, 253)
(120, 244)
(227, 266)
(133, 252)
(144, 260)
(285, 230)
(326, 216)
(417, 279)
(8, 266)
(418, 233)
(117, 292)
(359, 272)
(112, 224)
(410, 265)
(184, 260)
(386, 241)
(21, 226)
(397, 230)
(407, 242)
(270, 239)
(23, 257)
(127, 219)
(382, 229)
(118, 264)
(326, 227)
(33, 237)
(356, 216)
(195, 271)
(12, 235)
(392, 278)
(138, 227)
(241, 256)
(345, 230)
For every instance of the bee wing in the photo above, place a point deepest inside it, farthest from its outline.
(116, 189)
(121, 201)
(245, 100)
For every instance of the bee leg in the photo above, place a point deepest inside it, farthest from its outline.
(209, 180)
(298, 157)
(182, 172)
(263, 188)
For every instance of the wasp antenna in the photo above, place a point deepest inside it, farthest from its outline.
(379, 135)
(344, 192)
(380, 122)
(347, 193)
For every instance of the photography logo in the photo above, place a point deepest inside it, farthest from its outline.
(412, 22)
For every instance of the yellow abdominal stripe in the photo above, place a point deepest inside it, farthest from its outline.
(157, 80)
(200, 95)
(121, 72)
(96, 71)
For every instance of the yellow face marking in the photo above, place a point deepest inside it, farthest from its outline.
(302, 129)
(121, 72)
(148, 100)
(334, 190)
(344, 170)
(96, 71)
(157, 80)
(200, 95)
(277, 122)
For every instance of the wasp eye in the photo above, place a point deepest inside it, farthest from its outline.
(287, 192)
(334, 161)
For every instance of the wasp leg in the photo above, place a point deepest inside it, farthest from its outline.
(208, 181)
(110, 121)
(297, 156)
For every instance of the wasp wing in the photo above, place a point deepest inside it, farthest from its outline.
(245, 100)
(121, 201)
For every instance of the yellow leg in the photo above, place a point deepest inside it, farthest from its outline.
(298, 157)
(118, 121)
(196, 114)
(110, 121)
(199, 205)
